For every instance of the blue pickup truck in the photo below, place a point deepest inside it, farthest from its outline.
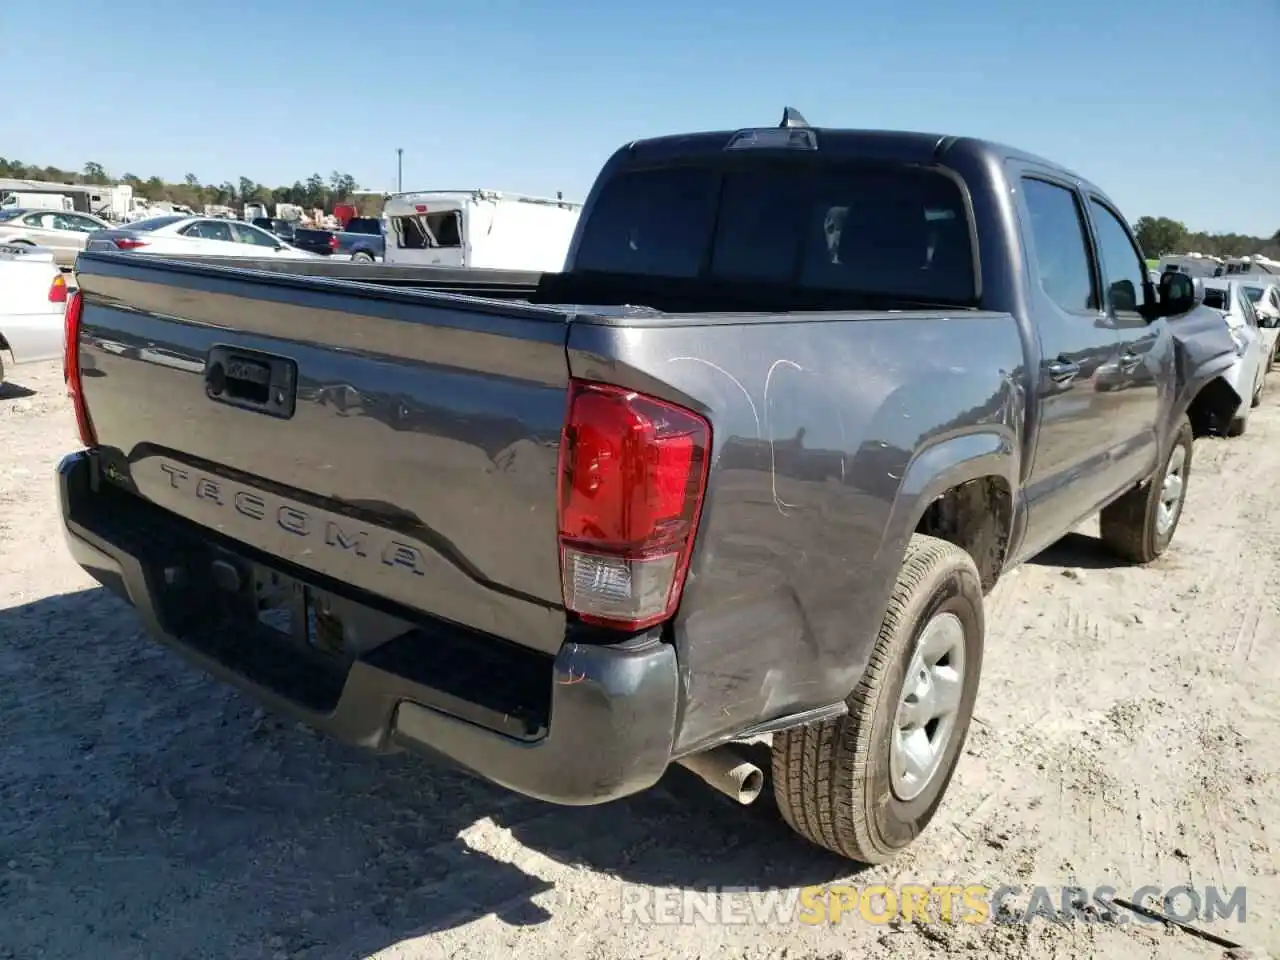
(362, 241)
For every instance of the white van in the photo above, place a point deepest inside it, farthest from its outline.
(479, 228)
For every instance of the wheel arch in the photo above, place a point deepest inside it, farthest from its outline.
(962, 490)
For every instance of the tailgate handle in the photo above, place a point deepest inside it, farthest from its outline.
(252, 380)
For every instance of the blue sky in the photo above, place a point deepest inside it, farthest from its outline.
(1173, 110)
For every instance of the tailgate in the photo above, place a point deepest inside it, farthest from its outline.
(403, 442)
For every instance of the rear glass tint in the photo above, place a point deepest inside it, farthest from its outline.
(901, 231)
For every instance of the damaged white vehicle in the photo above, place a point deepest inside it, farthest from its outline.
(1255, 346)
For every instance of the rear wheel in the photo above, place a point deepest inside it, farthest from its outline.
(1237, 426)
(867, 784)
(1139, 526)
(362, 257)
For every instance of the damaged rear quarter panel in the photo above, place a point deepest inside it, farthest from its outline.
(815, 423)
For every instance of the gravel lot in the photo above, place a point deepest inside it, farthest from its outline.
(1125, 735)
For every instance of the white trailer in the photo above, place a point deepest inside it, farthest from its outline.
(1192, 264)
(479, 228)
(37, 201)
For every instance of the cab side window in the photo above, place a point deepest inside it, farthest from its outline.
(1123, 268)
(1061, 247)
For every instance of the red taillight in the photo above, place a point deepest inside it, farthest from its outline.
(58, 289)
(71, 367)
(633, 471)
(333, 242)
(128, 243)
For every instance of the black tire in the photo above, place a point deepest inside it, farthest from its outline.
(832, 779)
(362, 257)
(1130, 527)
(1237, 426)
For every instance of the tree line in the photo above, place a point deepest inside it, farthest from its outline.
(1157, 235)
(1161, 235)
(315, 191)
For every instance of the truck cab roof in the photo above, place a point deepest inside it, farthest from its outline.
(867, 144)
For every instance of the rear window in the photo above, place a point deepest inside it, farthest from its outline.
(364, 225)
(900, 231)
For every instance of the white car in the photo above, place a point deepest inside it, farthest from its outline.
(33, 302)
(1265, 296)
(63, 232)
(196, 236)
(1255, 346)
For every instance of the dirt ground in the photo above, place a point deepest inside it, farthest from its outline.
(1125, 735)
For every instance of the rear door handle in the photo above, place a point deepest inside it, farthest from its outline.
(1063, 371)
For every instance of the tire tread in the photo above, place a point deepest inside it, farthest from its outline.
(818, 768)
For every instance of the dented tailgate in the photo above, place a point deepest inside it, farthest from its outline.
(400, 441)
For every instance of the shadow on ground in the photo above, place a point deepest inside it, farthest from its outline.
(148, 808)
(13, 391)
(1078, 550)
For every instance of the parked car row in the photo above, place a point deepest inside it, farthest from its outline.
(1251, 310)
(195, 236)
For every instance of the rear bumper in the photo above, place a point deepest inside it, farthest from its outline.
(605, 715)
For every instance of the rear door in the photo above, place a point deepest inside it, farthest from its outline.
(255, 242)
(1080, 359)
(1146, 358)
(430, 234)
(214, 238)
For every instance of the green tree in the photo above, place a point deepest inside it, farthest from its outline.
(343, 186)
(1160, 235)
(314, 193)
(94, 173)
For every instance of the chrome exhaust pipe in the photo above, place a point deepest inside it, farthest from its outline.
(728, 771)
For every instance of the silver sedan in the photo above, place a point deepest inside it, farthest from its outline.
(64, 232)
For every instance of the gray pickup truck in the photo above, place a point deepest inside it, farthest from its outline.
(747, 467)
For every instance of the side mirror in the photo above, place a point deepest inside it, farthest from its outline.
(1180, 293)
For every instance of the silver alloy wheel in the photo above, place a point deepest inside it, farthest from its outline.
(928, 707)
(1172, 490)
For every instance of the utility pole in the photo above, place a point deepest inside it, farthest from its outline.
(399, 169)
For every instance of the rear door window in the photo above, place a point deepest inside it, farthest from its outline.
(428, 231)
(209, 230)
(1061, 246)
(253, 236)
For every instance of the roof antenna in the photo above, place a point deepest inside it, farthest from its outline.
(791, 117)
